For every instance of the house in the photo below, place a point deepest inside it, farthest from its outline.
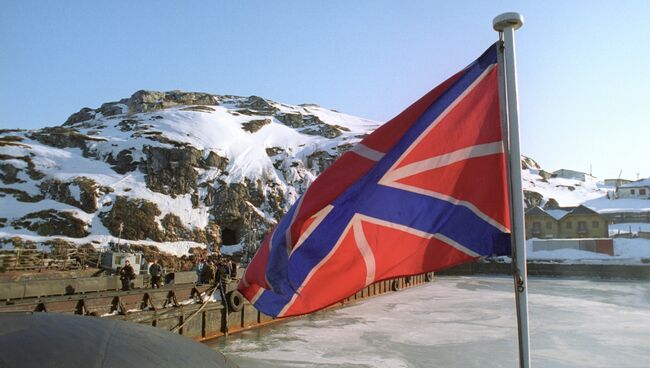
(616, 182)
(639, 189)
(583, 222)
(572, 174)
(541, 224)
(578, 222)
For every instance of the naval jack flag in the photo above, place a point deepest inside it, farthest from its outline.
(424, 192)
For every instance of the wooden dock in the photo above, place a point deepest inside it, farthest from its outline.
(178, 307)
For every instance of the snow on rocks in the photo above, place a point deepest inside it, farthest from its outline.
(556, 192)
(194, 163)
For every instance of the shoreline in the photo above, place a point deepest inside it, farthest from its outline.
(600, 271)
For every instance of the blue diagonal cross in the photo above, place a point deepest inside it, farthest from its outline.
(430, 215)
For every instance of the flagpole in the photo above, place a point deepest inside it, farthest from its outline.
(506, 24)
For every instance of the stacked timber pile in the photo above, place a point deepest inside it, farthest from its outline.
(21, 259)
(30, 259)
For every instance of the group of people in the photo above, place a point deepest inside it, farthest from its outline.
(215, 269)
(127, 273)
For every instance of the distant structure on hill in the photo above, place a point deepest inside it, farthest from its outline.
(572, 174)
(570, 223)
(616, 182)
(639, 189)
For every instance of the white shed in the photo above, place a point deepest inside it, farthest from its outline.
(637, 189)
(112, 260)
(572, 174)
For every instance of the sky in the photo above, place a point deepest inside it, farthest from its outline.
(584, 83)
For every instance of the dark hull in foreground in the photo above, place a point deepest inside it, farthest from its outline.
(58, 340)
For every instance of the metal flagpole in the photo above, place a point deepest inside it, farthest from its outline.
(506, 24)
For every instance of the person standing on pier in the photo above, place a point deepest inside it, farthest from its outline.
(126, 275)
(208, 273)
(233, 269)
(198, 268)
(155, 270)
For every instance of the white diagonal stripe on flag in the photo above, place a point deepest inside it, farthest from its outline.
(320, 215)
(440, 117)
(367, 152)
(455, 244)
(316, 268)
(366, 251)
(257, 295)
(433, 163)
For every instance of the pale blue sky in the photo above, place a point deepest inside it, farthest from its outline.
(583, 65)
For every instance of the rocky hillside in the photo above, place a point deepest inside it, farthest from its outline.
(179, 170)
(544, 189)
(171, 169)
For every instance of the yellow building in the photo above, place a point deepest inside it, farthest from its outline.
(540, 224)
(579, 222)
(583, 222)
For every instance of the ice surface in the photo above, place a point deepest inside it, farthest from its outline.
(463, 322)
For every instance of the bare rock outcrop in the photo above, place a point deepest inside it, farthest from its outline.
(147, 101)
(133, 219)
(81, 192)
(52, 222)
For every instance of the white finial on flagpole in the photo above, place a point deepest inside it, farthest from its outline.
(506, 24)
(505, 20)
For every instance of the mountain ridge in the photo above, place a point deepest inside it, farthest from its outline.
(186, 165)
(178, 170)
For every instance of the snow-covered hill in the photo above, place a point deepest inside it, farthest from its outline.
(544, 189)
(173, 169)
(180, 170)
